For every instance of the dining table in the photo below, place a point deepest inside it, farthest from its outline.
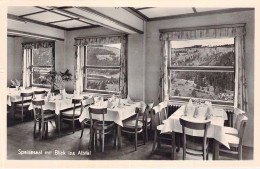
(116, 113)
(61, 103)
(215, 130)
(14, 96)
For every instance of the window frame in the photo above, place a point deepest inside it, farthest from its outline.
(221, 69)
(85, 67)
(33, 66)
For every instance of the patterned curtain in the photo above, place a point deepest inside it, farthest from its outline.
(40, 44)
(27, 57)
(238, 32)
(79, 59)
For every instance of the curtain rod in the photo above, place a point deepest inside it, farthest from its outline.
(99, 36)
(202, 27)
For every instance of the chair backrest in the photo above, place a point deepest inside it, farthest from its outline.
(23, 95)
(37, 108)
(241, 125)
(76, 103)
(159, 114)
(101, 111)
(41, 93)
(237, 112)
(196, 126)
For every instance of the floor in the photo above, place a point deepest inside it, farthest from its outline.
(20, 138)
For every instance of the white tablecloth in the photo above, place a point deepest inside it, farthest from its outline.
(59, 104)
(13, 94)
(117, 114)
(216, 129)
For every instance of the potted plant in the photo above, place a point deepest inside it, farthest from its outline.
(57, 80)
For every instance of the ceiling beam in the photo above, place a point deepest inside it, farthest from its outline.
(17, 18)
(222, 11)
(136, 13)
(83, 27)
(11, 32)
(86, 9)
(86, 19)
(143, 8)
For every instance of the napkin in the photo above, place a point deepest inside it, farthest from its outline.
(129, 100)
(113, 98)
(189, 109)
(196, 112)
(109, 104)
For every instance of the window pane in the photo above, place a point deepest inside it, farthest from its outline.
(207, 85)
(42, 57)
(103, 55)
(39, 74)
(206, 52)
(103, 79)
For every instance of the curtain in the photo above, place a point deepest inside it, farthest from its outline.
(237, 31)
(80, 43)
(27, 58)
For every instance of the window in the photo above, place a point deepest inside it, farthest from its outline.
(202, 69)
(102, 66)
(42, 63)
(38, 60)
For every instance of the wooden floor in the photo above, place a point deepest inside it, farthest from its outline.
(20, 136)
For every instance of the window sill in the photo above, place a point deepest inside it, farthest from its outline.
(180, 103)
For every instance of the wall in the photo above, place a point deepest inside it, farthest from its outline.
(153, 56)
(14, 59)
(135, 58)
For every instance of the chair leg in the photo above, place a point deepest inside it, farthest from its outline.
(22, 114)
(34, 128)
(240, 152)
(103, 141)
(204, 154)
(115, 138)
(82, 129)
(146, 134)
(135, 141)
(154, 140)
(144, 137)
(73, 123)
(46, 131)
(95, 140)
(184, 152)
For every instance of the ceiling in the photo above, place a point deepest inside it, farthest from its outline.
(122, 19)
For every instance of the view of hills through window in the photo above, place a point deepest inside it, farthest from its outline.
(42, 63)
(105, 71)
(207, 84)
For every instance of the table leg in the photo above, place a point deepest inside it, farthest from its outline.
(12, 109)
(119, 136)
(216, 150)
(58, 123)
(173, 145)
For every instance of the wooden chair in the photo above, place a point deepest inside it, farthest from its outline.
(86, 122)
(147, 119)
(41, 116)
(74, 114)
(25, 103)
(159, 114)
(134, 125)
(234, 127)
(100, 127)
(235, 141)
(197, 146)
(39, 93)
